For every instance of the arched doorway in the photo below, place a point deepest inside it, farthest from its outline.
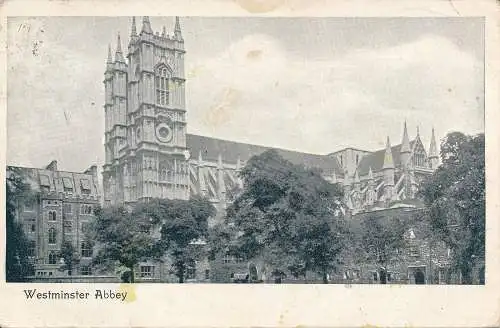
(383, 276)
(419, 277)
(253, 272)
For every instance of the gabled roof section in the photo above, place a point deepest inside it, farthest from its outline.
(375, 160)
(210, 149)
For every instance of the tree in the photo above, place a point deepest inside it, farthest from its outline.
(124, 237)
(381, 238)
(287, 215)
(70, 256)
(17, 245)
(455, 199)
(183, 228)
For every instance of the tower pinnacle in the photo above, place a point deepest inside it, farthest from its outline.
(146, 25)
(433, 147)
(433, 152)
(133, 32)
(119, 54)
(388, 161)
(177, 29)
(405, 143)
(109, 61)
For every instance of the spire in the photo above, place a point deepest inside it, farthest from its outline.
(163, 31)
(356, 177)
(146, 25)
(388, 162)
(200, 158)
(418, 131)
(177, 29)
(238, 164)
(405, 144)
(109, 61)
(370, 174)
(219, 161)
(118, 53)
(433, 148)
(133, 33)
(347, 181)
(334, 177)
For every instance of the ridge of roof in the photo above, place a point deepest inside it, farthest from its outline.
(232, 150)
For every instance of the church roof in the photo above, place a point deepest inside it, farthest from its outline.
(211, 148)
(375, 160)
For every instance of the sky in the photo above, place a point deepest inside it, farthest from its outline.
(315, 85)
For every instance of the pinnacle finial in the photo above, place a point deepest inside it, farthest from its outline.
(405, 143)
(177, 29)
(418, 131)
(146, 25)
(200, 158)
(219, 161)
(134, 28)
(433, 148)
(370, 174)
(118, 53)
(163, 31)
(356, 177)
(110, 59)
(388, 161)
(238, 164)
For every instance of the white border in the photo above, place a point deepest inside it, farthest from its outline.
(274, 305)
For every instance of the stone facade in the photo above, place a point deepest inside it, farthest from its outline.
(150, 155)
(62, 208)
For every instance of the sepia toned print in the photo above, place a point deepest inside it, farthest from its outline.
(387, 188)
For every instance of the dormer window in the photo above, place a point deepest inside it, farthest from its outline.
(85, 186)
(45, 182)
(161, 84)
(68, 184)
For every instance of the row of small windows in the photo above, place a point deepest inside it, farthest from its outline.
(84, 209)
(67, 209)
(67, 184)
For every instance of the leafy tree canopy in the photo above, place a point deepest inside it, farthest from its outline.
(17, 262)
(455, 197)
(288, 215)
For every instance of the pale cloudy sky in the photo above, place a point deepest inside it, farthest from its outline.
(314, 85)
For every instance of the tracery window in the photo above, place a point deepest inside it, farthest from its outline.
(52, 258)
(161, 84)
(52, 236)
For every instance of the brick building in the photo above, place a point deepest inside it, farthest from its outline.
(60, 211)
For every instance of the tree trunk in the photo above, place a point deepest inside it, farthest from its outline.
(132, 275)
(325, 277)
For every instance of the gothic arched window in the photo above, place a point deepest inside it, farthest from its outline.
(52, 258)
(52, 236)
(161, 85)
(52, 216)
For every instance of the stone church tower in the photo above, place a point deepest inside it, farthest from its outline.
(145, 118)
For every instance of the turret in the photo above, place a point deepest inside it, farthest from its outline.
(357, 181)
(388, 170)
(109, 61)
(146, 26)
(221, 186)
(405, 148)
(118, 54)
(177, 30)
(201, 176)
(433, 153)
